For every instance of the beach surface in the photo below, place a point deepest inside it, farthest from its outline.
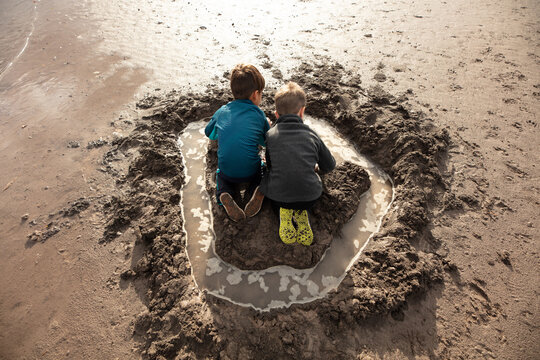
(80, 278)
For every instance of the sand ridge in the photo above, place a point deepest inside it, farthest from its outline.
(394, 268)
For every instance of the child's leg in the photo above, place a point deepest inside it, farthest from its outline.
(255, 203)
(255, 196)
(254, 182)
(304, 234)
(224, 193)
(287, 232)
(224, 185)
(300, 205)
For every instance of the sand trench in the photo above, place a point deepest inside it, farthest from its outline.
(400, 261)
(277, 285)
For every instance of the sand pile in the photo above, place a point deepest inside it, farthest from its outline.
(400, 261)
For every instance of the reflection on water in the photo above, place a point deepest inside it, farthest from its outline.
(278, 286)
(17, 20)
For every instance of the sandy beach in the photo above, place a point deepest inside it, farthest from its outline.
(442, 96)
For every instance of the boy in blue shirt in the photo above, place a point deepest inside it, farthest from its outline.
(240, 127)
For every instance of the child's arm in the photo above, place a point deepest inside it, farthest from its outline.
(211, 129)
(326, 162)
(266, 127)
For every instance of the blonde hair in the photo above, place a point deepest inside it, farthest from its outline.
(289, 99)
(245, 79)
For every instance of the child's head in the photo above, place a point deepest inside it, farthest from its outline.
(290, 99)
(245, 80)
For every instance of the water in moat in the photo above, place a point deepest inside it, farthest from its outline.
(277, 286)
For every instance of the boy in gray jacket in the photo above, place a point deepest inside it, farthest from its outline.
(294, 155)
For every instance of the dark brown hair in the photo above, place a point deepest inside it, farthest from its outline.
(245, 79)
(289, 99)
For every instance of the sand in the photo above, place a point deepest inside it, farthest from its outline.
(443, 97)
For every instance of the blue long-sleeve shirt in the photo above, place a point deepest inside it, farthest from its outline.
(239, 126)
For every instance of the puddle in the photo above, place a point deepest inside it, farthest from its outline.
(277, 286)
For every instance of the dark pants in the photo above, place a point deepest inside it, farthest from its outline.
(230, 185)
(300, 205)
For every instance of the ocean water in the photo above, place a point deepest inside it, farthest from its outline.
(182, 44)
(17, 18)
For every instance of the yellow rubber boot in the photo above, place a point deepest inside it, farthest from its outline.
(304, 233)
(287, 232)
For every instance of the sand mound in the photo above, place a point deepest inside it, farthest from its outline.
(401, 260)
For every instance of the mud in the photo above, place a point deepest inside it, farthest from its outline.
(55, 221)
(44, 235)
(401, 260)
(75, 207)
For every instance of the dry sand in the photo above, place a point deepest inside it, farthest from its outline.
(473, 73)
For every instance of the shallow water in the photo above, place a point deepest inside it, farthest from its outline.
(16, 28)
(278, 286)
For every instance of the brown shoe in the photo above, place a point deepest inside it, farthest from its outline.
(231, 207)
(254, 205)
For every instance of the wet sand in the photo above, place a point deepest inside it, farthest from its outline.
(473, 69)
(396, 266)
